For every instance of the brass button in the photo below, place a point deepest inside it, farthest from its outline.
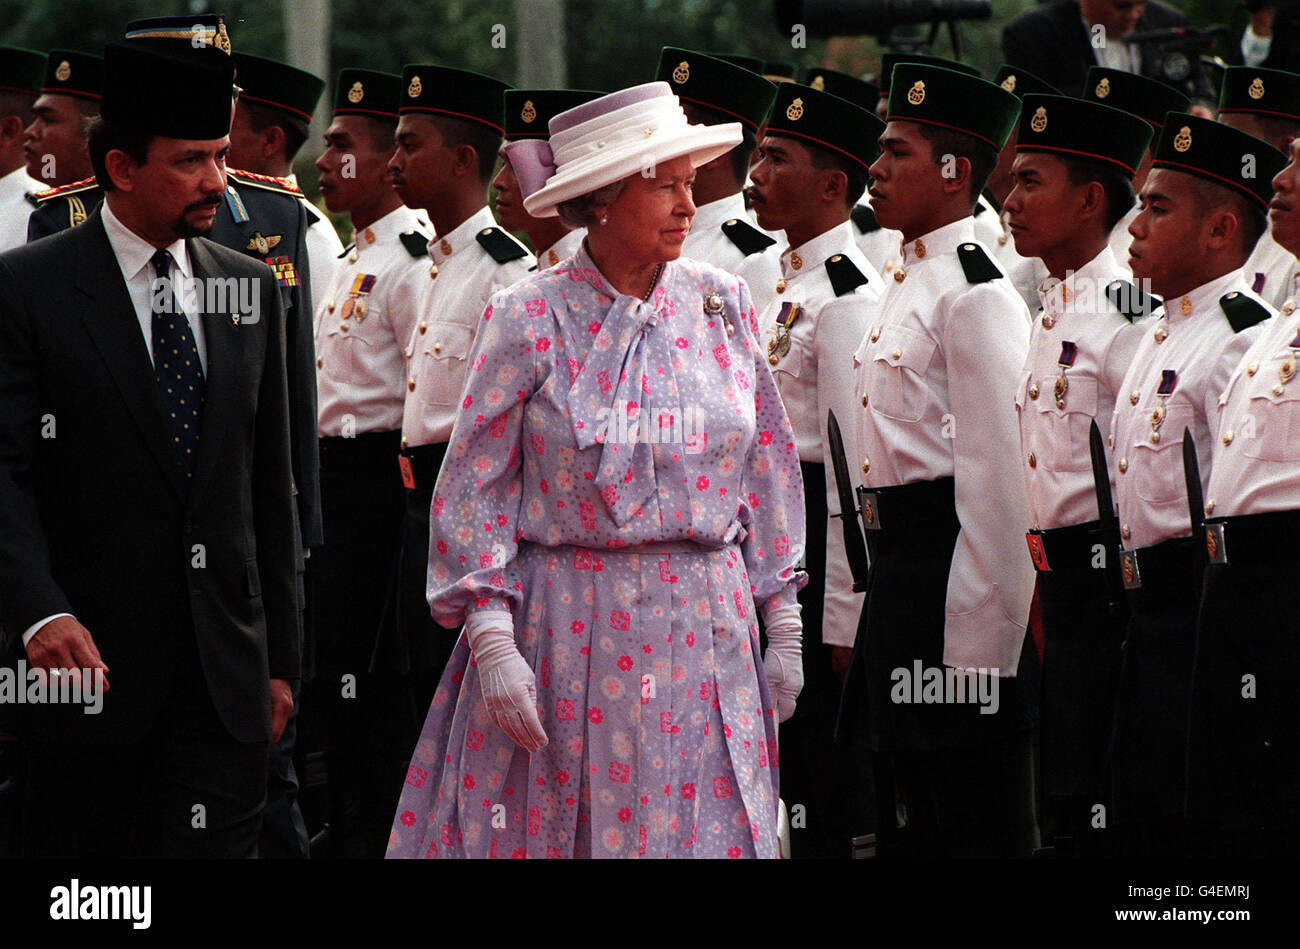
(1227, 437)
(866, 465)
(1288, 307)
(352, 257)
(837, 258)
(897, 354)
(1278, 390)
(437, 348)
(1048, 321)
(1185, 306)
(1155, 436)
(780, 286)
(1133, 397)
(1252, 369)
(403, 443)
(1209, 507)
(423, 327)
(875, 334)
(343, 327)
(329, 307)
(319, 363)
(1110, 441)
(1125, 532)
(899, 274)
(773, 359)
(1033, 391)
(433, 272)
(1033, 462)
(864, 400)
(920, 248)
(445, 248)
(410, 385)
(1161, 334)
(1123, 465)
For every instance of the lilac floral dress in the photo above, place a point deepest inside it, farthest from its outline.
(623, 478)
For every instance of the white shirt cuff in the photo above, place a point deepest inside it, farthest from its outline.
(37, 626)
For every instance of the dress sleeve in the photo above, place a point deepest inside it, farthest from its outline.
(474, 515)
(771, 488)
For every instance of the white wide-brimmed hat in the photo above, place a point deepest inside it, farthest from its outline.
(610, 138)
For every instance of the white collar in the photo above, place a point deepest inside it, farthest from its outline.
(133, 252)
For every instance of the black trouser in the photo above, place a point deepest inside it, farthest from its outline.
(827, 789)
(358, 715)
(1243, 756)
(1083, 628)
(1148, 760)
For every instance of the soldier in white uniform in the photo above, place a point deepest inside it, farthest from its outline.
(1149, 99)
(944, 500)
(1072, 172)
(448, 135)
(1202, 212)
(1265, 103)
(815, 153)
(272, 122)
(363, 323)
(527, 115)
(21, 71)
(1243, 763)
(712, 92)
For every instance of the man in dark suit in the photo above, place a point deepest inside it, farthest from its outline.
(147, 529)
(1059, 41)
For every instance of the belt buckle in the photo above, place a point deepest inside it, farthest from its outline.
(1128, 560)
(408, 473)
(870, 502)
(1036, 551)
(1214, 545)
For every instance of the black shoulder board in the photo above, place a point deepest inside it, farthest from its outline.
(1131, 301)
(1242, 312)
(976, 264)
(746, 237)
(347, 249)
(864, 219)
(312, 214)
(416, 244)
(980, 208)
(844, 274)
(500, 245)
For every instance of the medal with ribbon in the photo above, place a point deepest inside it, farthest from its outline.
(355, 304)
(1068, 353)
(1287, 370)
(779, 345)
(1168, 379)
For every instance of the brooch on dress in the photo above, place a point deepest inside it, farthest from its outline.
(713, 306)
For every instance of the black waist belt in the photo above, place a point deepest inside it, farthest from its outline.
(371, 451)
(420, 465)
(1063, 548)
(918, 518)
(1252, 538)
(1168, 562)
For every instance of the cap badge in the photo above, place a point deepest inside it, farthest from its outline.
(1103, 88)
(356, 93)
(529, 112)
(223, 38)
(414, 89)
(1009, 83)
(916, 95)
(795, 112)
(63, 72)
(1183, 140)
(1039, 121)
(1256, 90)
(682, 73)
(819, 82)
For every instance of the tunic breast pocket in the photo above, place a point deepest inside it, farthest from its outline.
(350, 350)
(896, 384)
(444, 359)
(1066, 420)
(1158, 463)
(793, 362)
(1270, 428)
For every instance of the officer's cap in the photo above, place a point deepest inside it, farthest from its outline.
(456, 93)
(528, 112)
(952, 100)
(178, 91)
(1146, 98)
(71, 73)
(1220, 154)
(738, 94)
(1073, 129)
(826, 121)
(858, 91)
(369, 93)
(1261, 92)
(21, 70)
(283, 88)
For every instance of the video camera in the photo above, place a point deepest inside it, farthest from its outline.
(879, 18)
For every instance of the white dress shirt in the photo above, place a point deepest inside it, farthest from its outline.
(1192, 338)
(707, 242)
(937, 377)
(1054, 444)
(1272, 271)
(816, 375)
(360, 357)
(462, 276)
(14, 209)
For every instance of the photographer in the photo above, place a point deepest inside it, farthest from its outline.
(1059, 41)
(1273, 36)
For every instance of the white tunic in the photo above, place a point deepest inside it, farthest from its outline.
(14, 209)
(1272, 271)
(707, 242)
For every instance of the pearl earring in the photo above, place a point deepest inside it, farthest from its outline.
(604, 219)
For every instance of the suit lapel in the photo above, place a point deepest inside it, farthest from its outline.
(224, 362)
(111, 322)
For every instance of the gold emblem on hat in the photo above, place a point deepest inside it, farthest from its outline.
(795, 112)
(1256, 89)
(1009, 83)
(1039, 121)
(223, 38)
(1183, 140)
(682, 72)
(356, 93)
(1103, 88)
(916, 95)
(529, 112)
(414, 89)
(819, 82)
(64, 72)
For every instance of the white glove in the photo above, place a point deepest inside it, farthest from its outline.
(509, 686)
(783, 664)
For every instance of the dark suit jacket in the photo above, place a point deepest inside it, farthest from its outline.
(95, 517)
(1052, 42)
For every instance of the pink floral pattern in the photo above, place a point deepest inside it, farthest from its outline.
(631, 569)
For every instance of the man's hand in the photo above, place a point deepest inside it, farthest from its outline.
(281, 707)
(64, 644)
(841, 656)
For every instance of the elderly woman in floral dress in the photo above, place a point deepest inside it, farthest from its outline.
(620, 491)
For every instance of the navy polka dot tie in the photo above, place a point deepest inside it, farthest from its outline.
(177, 368)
